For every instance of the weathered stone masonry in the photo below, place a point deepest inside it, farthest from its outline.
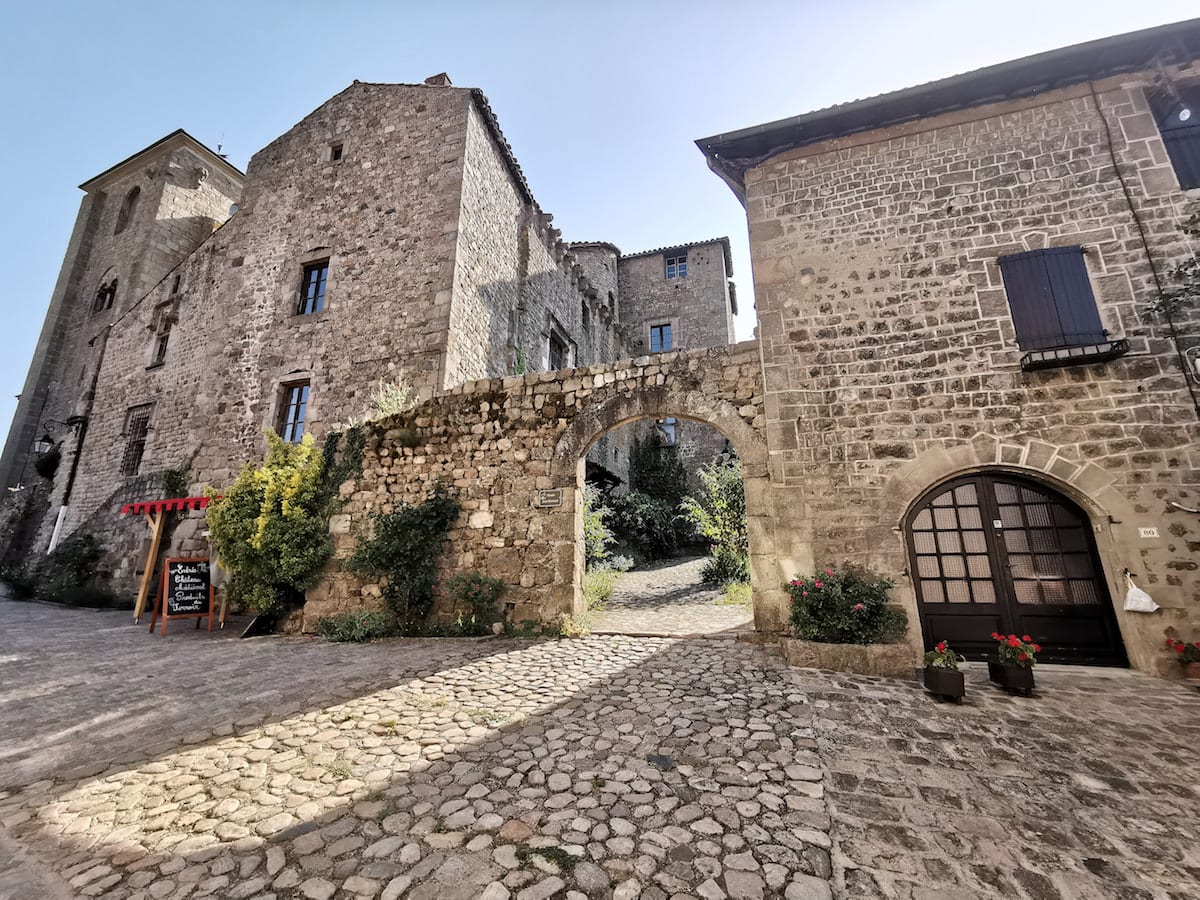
(890, 361)
(500, 442)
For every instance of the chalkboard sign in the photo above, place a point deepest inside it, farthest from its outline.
(185, 592)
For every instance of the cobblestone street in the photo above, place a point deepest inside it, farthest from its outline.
(669, 599)
(605, 766)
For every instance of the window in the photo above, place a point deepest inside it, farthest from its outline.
(1177, 112)
(660, 338)
(1053, 309)
(164, 318)
(137, 427)
(312, 288)
(335, 152)
(560, 357)
(292, 410)
(105, 295)
(175, 284)
(127, 210)
(587, 317)
(667, 431)
(677, 264)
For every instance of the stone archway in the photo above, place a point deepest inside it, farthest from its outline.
(1112, 516)
(659, 402)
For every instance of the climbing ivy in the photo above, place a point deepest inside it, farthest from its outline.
(403, 549)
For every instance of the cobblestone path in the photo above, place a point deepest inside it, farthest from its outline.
(668, 598)
(601, 767)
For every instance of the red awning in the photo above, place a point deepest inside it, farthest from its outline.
(158, 506)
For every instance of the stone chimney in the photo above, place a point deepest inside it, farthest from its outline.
(439, 80)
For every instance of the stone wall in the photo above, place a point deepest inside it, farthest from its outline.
(488, 263)
(501, 443)
(890, 361)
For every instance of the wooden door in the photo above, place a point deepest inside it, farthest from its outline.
(999, 553)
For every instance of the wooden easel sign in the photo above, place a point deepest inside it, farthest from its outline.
(185, 592)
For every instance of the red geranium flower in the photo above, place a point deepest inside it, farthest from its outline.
(1022, 656)
(859, 606)
(941, 647)
(1026, 638)
(1013, 641)
(1037, 648)
(1179, 648)
(996, 636)
(829, 571)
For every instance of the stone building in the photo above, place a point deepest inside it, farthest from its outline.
(390, 235)
(966, 386)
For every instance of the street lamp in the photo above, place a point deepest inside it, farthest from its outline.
(43, 445)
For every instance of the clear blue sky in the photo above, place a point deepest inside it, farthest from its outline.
(600, 100)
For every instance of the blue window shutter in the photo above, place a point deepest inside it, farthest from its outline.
(1051, 299)
(1073, 298)
(1031, 301)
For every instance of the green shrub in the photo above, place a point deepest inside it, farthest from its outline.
(718, 508)
(598, 586)
(725, 566)
(356, 626)
(18, 579)
(650, 526)
(270, 526)
(403, 549)
(477, 599)
(844, 605)
(596, 535)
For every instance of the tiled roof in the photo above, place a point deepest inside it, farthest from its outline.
(723, 241)
(732, 153)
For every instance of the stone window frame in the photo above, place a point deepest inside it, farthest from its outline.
(335, 151)
(165, 315)
(282, 401)
(297, 265)
(128, 209)
(106, 291)
(675, 264)
(671, 322)
(556, 332)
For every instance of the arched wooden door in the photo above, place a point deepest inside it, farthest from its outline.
(999, 553)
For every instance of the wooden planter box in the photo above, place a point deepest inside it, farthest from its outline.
(886, 660)
(1012, 678)
(1191, 671)
(945, 683)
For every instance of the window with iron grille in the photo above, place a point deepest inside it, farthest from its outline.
(292, 411)
(677, 264)
(660, 338)
(137, 428)
(1177, 111)
(312, 288)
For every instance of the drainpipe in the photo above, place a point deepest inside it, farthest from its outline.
(89, 399)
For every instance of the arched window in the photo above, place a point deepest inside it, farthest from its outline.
(105, 295)
(128, 208)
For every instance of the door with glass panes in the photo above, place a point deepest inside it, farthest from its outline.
(1000, 553)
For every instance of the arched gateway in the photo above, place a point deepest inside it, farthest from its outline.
(998, 552)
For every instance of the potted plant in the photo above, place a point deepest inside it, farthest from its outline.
(1012, 666)
(1187, 655)
(942, 677)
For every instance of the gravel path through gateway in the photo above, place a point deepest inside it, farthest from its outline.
(600, 767)
(669, 599)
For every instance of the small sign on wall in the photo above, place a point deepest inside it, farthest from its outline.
(1147, 532)
(548, 499)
